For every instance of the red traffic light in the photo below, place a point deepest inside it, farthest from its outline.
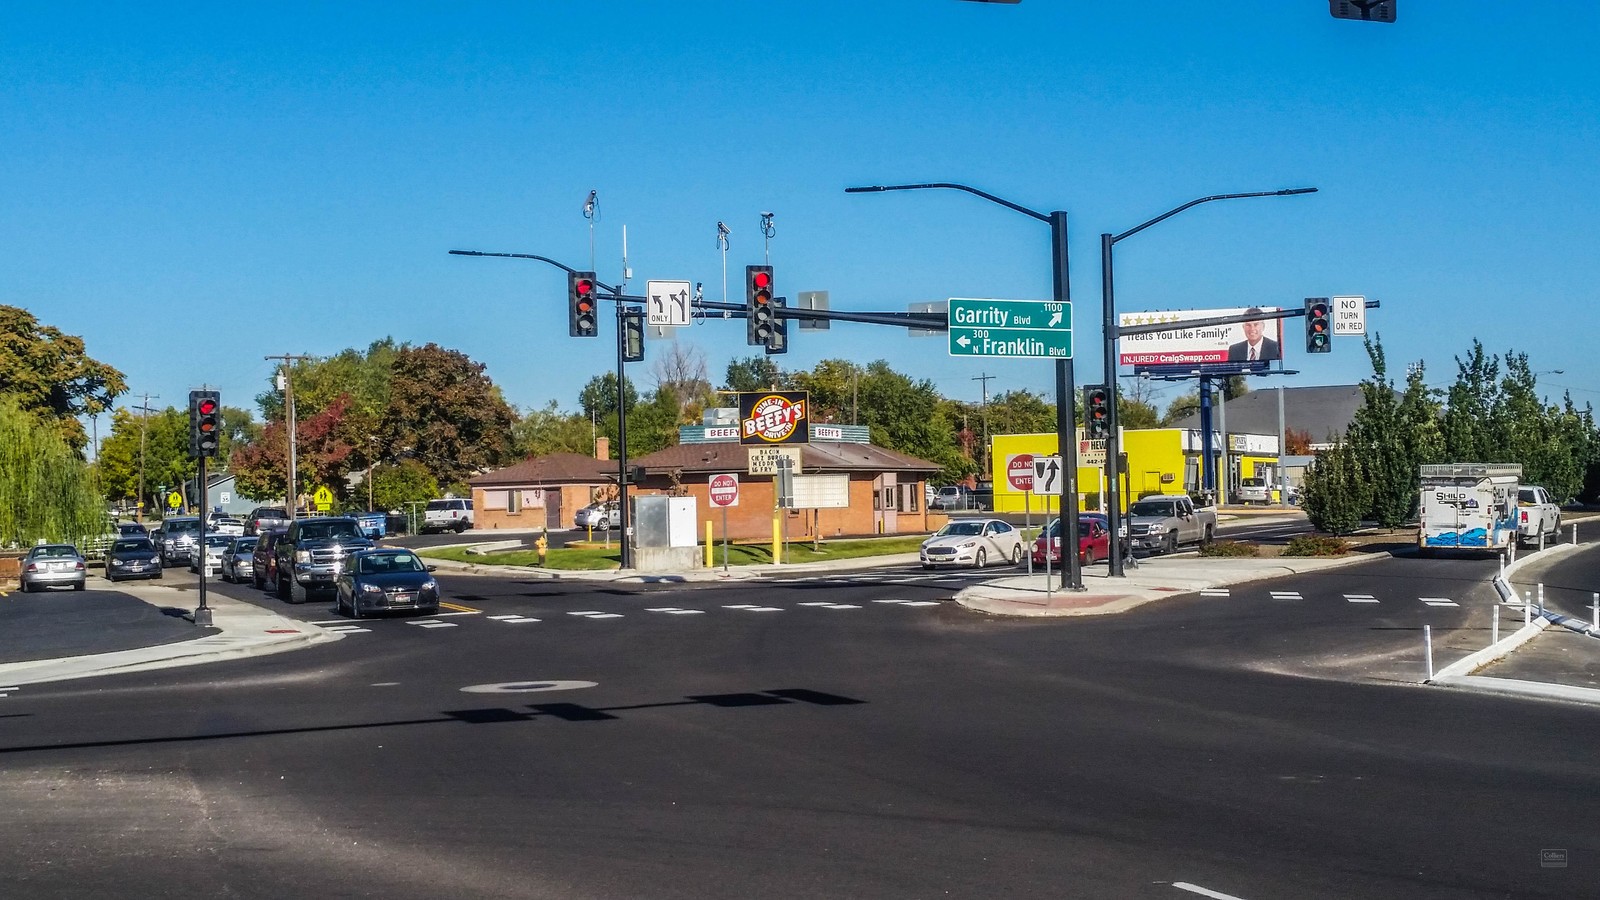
(583, 287)
(207, 406)
(761, 279)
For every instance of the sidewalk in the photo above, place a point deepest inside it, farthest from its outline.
(240, 629)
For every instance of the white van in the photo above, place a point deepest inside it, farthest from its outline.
(447, 515)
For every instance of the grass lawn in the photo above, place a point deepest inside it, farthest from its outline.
(580, 557)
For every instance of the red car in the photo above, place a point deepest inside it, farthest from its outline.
(1094, 542)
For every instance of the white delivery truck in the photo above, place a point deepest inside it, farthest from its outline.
(1469, 506)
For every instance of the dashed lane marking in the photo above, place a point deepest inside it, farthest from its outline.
(1438, 601)
(348, 629)
(751, 607)
(1361, 598)
(1286, 595)
(1204, 892)
(676, 611)
(909, 602)
(430, 623)
(816, 603)
(596, 614)
(513, 619)
(1214, 592)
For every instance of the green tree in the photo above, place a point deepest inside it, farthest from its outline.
(1021, 412)
(394, 486)
(46, 489)
(445, 412)
(1466, 426)
(1335, 491)
(836, 388)
(50, 375)
(1376, 438)
(752, 373)
(547, 430)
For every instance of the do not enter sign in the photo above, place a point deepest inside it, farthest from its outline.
(724, 490)
(1019, 471)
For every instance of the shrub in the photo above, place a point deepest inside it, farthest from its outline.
(1316, 545)
(1230, 548)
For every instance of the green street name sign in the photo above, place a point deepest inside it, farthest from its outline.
(1037, 329)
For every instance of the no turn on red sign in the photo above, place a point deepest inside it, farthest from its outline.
(1019, 471)
(724, 490)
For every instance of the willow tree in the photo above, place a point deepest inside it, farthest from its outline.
(46, 490)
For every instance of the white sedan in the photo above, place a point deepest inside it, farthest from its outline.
(216, 545)
(973, 542)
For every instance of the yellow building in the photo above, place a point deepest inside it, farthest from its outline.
(1160, 461)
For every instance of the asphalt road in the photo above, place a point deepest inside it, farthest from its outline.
(815, 738)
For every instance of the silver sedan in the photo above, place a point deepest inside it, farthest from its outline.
(53, 565)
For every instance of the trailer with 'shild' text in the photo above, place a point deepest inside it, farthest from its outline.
(1468, 506)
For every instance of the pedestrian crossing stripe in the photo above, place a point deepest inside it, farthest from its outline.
(1214, 592)
(1361, 598)
(676, 611)
(596, 614)
(349, 629)
(816, 603)
(430, 623)
(1439, 601)
(1286, 595)
(909, 602)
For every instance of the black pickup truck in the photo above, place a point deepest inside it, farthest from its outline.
(310, 555)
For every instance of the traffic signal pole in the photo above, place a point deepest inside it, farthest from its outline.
(623, 517)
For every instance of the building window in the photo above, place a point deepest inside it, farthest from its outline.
(513, 502)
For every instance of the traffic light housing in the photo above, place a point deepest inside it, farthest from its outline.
(633, 336)
(778, 340)
(1096, 412)
(582, 317)
(761, 319)
(1363, 10)
(1319, 325)
(205, 423)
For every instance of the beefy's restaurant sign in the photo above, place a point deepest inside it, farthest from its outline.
(774, 417)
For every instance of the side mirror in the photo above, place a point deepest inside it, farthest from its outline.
(431, 568)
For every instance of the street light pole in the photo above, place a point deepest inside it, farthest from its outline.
(1066, 439)
(1109, 324)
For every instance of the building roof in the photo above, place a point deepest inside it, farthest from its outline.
(817, 456)
(1320, 411)
(555, 469)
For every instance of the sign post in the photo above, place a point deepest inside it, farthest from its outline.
(724, 493)
(1019, 473)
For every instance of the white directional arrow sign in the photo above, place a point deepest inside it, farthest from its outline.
(669, 302)
(1047, 475)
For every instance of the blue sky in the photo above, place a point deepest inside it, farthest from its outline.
(194, 187)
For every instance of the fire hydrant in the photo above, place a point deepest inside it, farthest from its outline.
(543, 543)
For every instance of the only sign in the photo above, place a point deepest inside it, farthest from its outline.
(725, 490)
(1019, 471)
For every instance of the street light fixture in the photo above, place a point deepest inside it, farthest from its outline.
(1109, 303)
(1066, 440)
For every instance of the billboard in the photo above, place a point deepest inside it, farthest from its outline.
(1259, 341)
(774, 417)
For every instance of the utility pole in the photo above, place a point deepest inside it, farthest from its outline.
(984, 412)
(291, 494)
(144, 422)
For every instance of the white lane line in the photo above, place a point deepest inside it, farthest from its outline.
(840, 606)
(331, 622)
(891, 601)
(676, 611)
(596, 614)
(1361, 598)
(1438, 601)
(742, 606)
(816, 603)
(1286, 595)
(505, 617)
(515, 620)
(1204, 892)
(348, 629)
(762, 609)
(465, 612)
(434, 624)
(1214, 592)
(920, 603)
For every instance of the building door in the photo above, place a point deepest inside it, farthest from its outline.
(552, 508)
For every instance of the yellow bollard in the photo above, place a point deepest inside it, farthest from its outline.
(709, 538)
(777, 536)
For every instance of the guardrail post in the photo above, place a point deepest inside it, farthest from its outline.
(1427, 646)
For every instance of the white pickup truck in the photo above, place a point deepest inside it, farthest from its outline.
(1537, 515)
(1161, 522)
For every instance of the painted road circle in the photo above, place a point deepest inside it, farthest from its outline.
(527, 687)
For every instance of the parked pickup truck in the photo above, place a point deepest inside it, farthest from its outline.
(1537, 515)
(310, 555)
(1163, 522)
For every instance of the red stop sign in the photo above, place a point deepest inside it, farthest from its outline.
(725, 490)
(1019, 471)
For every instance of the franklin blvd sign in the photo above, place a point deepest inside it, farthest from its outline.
(1033, 329)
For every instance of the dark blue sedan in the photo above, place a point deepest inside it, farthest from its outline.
(384, 580)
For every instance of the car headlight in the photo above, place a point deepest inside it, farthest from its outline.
(118, 562)
(302, 556)
(1157, 528)
(367, 588)
(968, 545)
(430, 586)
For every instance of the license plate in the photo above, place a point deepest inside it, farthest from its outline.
(403, 598)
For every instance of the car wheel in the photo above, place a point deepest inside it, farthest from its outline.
(1206, 541)
(79, 586)
(604, 525)
(979, 559)
(298, 593)
(111, 578)
(1016, 555)
(1172, 543)
(927, 567)
(281, 588)
(1088, 556)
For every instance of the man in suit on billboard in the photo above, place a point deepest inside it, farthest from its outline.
(1256, 346)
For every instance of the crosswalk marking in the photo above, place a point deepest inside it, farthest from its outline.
(1361, 598)
(347, 629)
(1286, 595)
(1214, 592)
(1438, 601)
(909, 602)
(816, 603)
(596, 614)
(513, 620)
(676, 611)
(430, 623)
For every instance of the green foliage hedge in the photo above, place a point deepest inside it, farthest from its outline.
(1230, 548)
(1316, 545)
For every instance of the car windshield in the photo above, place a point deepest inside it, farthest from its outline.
(1151, 508)
(390, 563)
(244, 546)
(189, 525)
(54, 551)
(960, 528)
(1525, 495)
(323, 530)
(435, 505)
(133, 546)
(216, 540)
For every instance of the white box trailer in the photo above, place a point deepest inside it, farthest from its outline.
(1469, 506)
